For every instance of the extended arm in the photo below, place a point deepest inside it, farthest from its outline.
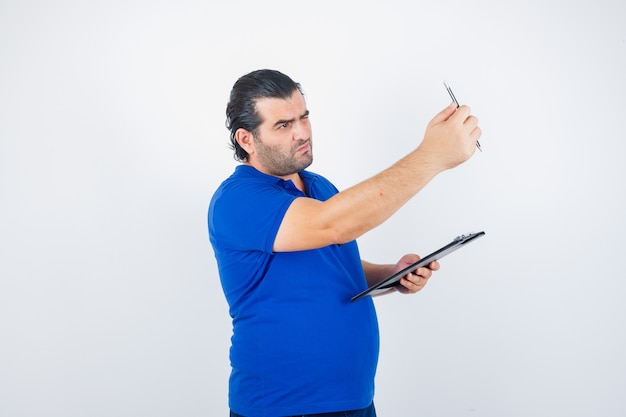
(449, 140)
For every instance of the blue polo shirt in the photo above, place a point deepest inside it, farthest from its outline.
(299, 346)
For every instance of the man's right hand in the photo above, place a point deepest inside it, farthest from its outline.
(450, 137)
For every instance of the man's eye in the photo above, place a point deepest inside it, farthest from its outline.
(283, 125)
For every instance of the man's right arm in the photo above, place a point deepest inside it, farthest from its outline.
(449, 140)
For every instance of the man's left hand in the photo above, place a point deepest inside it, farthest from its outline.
(415, 281)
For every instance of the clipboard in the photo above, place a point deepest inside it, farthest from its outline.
(390, 282)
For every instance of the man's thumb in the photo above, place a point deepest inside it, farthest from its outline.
(444, 114)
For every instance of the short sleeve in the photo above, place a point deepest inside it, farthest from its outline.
(246, 215)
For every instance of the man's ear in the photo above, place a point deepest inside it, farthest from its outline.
(245, 139)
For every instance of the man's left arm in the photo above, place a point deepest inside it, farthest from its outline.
(409, 284)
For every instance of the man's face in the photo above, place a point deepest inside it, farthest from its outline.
(282, 145)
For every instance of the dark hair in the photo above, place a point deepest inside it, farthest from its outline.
(241, 110)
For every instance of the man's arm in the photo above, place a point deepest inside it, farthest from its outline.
(449, 140)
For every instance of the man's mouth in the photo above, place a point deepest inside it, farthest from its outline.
(305, 147)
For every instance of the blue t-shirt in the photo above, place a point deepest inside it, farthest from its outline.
(299, 346)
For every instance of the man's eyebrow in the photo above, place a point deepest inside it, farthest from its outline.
(280, 122)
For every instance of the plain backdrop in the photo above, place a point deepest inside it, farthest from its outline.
(112, 141)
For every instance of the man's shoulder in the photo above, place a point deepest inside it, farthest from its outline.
(246, 177)
(320, 183)
(246, 172)
(248, 185)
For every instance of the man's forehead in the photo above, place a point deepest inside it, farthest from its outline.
(272, 107)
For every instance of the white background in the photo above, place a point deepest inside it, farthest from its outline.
(112, 141)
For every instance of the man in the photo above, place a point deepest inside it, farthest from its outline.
(284, 239)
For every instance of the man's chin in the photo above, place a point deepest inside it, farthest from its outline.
(308, 162)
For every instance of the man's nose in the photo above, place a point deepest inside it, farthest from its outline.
(301, 130)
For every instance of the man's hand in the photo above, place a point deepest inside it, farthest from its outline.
(416, 280)
(450, 137)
